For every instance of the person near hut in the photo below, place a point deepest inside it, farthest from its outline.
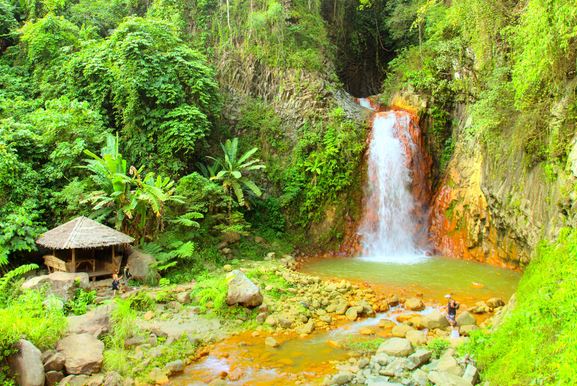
(126, 275)
(115, 283)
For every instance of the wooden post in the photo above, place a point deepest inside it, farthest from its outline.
(114, 260)
(73, 260)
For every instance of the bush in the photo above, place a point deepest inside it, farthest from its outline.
(79, 304)
(438, 346)
(141, 301)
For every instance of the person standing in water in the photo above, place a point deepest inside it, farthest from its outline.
(452, 307)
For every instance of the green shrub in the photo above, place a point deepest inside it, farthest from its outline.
(141, 301)
(438, 346)
(79, 304)
(535, 344)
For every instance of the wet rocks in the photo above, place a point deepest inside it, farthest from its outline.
(241, 290)
(414, 304)
(495, 302)
(419, 358)
(271, 342)
(26, 364)
(400, 330)
(416, 337)
(398, 347)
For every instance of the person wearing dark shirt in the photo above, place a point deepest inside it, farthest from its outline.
(452, 307)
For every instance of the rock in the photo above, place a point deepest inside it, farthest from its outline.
(141, 265)
(419, 378)
(419, 358)
(227, 268)
(435, 320)
(271, 320)
(466, 330)
(95, 322)
(446, 379)
(381, 359)
(83, 353)
(366, 331)
(363, 362)
(183, 297)
(466, 319)
(448, 364)
(241, 290)
(148, 315)
(471, 374)
(134, 341)
(416, 337)
(288, 261)
(158, 376)
(74, 380)
(393, 301)
(386, 324)
(342, 378)
(395, 368)
(398, 347)
(286, 321)
(417, 322)
(61, 284)
(480, 308)
(53, 377)
(26, 364)
(259, 240)
(307, 328)
(270, 256)
(352, 314)
(271, 342)
(414, 304)
(112, 378)
(95, 380)
(54, 362)
(341, 308)
(174, 367)
(400, 330)
(495, 302)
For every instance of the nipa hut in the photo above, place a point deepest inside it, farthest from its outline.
(84, 245)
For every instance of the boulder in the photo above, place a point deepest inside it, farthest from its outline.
(61, 284)
(435, 320)
(342, 378)
(74, 380)
(419, 378)
(112, 378)
(471, 374)
(95, 322)
(83, 353)
(53, 377)
(54, 362)
(241, 290)
(26, 364)
(183, 297)
(480, 308)
(174, 367)
(466, 330)
(271, 342)
(306, 328)
(231, 237)
(414, 304)
(386, 324)
(352, 314)
(466, 319)
(416, 337)
(397, 347)
(395, 368)
(446, 379)
(495, 302)
(419, 358)
(448, 364)
(400, 330)
(141, 265)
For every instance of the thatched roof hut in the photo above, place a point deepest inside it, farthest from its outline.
(86, 235)
(80, 233)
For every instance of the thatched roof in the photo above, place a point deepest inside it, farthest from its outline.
(82, 232)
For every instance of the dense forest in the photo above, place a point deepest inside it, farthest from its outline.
(189, 124)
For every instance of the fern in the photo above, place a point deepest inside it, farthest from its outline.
(9, 277)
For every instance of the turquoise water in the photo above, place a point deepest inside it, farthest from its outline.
(433, 277)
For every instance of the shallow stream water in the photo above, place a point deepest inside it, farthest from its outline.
(308, 360)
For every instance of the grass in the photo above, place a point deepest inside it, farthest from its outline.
(438, 346)
(537, 341)
(364, 346)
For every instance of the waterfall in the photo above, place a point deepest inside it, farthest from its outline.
(392, 225)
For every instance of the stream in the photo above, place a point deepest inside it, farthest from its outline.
(395, 259)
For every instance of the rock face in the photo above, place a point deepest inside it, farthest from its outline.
(95, 322)
(83, 353)
(446, 379)
(62, 284)
(241, 290)
(141, 265)
(26, 364)
(397, 347)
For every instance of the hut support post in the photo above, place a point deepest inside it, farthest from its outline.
(73, 260)
(114, 258)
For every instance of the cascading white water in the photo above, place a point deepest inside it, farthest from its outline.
(389, 227)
